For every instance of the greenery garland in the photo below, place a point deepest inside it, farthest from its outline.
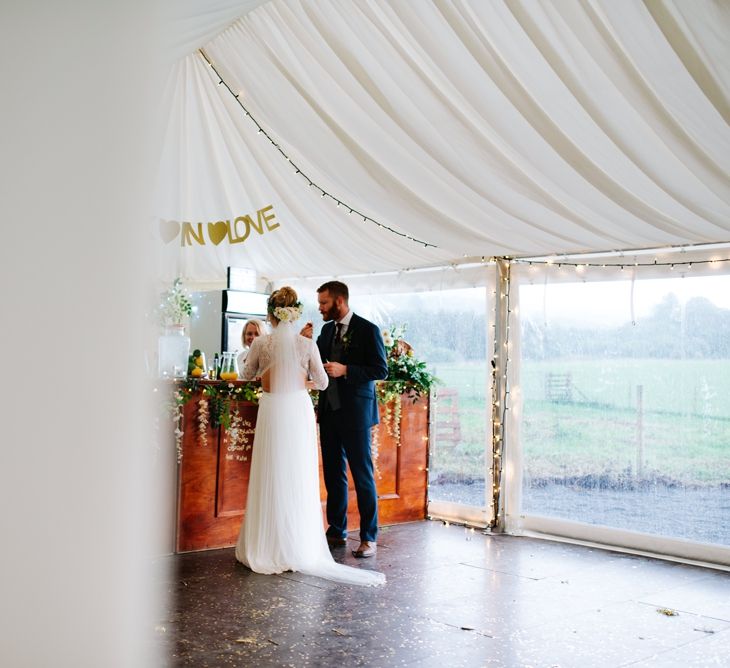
(219, 397)
(407, 375)
(214, 405)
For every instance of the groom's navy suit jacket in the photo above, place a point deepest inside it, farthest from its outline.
(364, 355)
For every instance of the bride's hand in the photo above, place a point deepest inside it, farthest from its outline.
(307, 330)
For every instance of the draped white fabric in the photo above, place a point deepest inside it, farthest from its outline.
(485, 128)
(192, 23)
(222, 169)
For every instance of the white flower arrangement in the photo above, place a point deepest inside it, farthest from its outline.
(203, 420)
(237, 435)
(387, 338)
(288, 313)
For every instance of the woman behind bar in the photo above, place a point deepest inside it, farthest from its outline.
(251, 330)
(283, 529)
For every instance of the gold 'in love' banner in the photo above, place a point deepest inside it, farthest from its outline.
(235, 231)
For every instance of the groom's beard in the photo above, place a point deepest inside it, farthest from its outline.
(333, 314)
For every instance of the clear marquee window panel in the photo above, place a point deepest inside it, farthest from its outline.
(626, 404)
(447, 329)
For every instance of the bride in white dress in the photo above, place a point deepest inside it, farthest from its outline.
(283, 528)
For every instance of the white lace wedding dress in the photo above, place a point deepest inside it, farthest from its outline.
(283, 527)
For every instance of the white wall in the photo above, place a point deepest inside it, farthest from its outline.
(77, 506)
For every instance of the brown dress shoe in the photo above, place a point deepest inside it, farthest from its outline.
(334, 541)
(365, 550)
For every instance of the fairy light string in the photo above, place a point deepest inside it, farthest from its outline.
(556, 262)
(500, 385)
(505, 379)
(351, 210)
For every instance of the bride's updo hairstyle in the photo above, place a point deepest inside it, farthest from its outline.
(284, 305)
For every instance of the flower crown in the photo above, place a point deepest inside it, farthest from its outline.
(287, 313)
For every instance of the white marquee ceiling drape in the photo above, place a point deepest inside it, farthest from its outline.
(484, 128)
(193, 23)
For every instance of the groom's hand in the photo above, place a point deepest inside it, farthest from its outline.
(335, 369)
(307, 330)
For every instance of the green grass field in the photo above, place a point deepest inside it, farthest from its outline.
(685, 424)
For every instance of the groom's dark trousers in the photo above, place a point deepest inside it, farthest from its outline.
(345, 420)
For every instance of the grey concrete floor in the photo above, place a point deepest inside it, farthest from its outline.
(453, 598)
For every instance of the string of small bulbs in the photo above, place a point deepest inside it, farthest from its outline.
(619, 265)
(323, 193)
(500, 383)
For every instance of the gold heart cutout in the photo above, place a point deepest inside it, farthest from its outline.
(217, 231)
(169, 230)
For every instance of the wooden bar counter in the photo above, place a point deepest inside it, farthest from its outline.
(214, 468)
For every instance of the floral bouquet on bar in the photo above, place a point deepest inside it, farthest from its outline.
(406, 373)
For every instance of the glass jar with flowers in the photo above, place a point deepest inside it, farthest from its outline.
(173, 346)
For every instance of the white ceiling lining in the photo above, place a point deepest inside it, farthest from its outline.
(499, 128)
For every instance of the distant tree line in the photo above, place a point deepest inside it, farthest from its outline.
(445, 336)
(699, 329)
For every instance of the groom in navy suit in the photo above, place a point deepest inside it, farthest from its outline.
(353, 355)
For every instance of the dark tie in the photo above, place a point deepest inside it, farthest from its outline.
(338, 332)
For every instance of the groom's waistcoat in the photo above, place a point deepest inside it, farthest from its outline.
(337, 352)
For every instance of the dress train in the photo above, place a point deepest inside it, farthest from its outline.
(283, 528)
